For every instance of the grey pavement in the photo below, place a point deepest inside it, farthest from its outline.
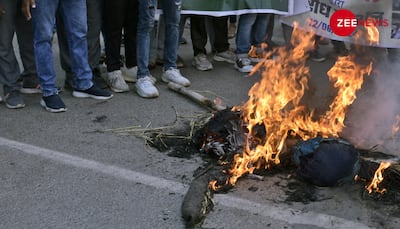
(59, 171)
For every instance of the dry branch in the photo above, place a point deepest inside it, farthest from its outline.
(195, 96)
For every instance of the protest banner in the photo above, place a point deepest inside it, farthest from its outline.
(236, 7)
(316, 15)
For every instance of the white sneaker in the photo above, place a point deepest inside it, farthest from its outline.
(200, 62)
(226, 56)
(173, 75)
(145, 88)
(116, 81)
(129, 74)
(244, 65)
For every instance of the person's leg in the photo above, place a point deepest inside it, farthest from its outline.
(171, 14)
(221, 37)
(9, 68)
(198, 34)
(73, 13)
(244, 33)
(243, 42)
(145, 25)
(25, 43)
(130, 30)
(145, 84)
(114, 15)
(259, 34)
(223, 53)
(64, 52)
(94, 21)
(43, 21)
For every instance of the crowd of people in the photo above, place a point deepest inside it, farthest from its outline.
(80, 24)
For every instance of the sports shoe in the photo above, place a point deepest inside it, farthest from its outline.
(93, 92)
(226, 56)
(173, 75)
(53, 103)
(30, 85)
(200, 62)
(129, 74)
(316, 56)
(145, 87)
(116, 81)
(13, 100)
(243, 65)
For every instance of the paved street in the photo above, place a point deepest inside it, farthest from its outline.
(63, 171)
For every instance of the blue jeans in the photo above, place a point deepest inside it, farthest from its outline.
(252, 30)
(73, 13)
(171, 13)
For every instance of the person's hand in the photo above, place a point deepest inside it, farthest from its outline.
(2, 11)
(26, 8)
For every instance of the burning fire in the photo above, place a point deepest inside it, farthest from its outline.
(378, 178)
(275, 103)
(396, 126)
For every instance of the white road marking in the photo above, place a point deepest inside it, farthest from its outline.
(289, 215)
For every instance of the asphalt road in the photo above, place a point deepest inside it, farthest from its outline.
(60, 171)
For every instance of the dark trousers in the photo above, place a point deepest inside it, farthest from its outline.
(10, 23)
(198, 33)
(120, 15)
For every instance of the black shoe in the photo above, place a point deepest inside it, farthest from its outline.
(93, 92)
(317, 57)
(13, 100)
(30, 85)
(53, 103)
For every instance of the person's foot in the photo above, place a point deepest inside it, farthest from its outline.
(226, 56)
(93, 92)
(53, 103)
(317, 56)
(200, 62)
(129, 74)
(243, 65)
(14, 100)
(145, 87)
(174, 75)
(116, 81)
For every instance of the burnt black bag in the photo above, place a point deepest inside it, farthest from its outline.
(326, 161)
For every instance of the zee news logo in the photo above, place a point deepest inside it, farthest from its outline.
(343, 22)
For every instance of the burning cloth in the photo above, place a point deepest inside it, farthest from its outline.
(326, 161)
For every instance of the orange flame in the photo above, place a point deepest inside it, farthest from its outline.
(274, 103)
(378, 178)
(396, 126)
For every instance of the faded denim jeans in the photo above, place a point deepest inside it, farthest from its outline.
(172, 14)
(73, 13)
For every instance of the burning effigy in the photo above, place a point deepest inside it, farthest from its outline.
(274, 128)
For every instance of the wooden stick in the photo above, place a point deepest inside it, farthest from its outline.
(195, 96)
